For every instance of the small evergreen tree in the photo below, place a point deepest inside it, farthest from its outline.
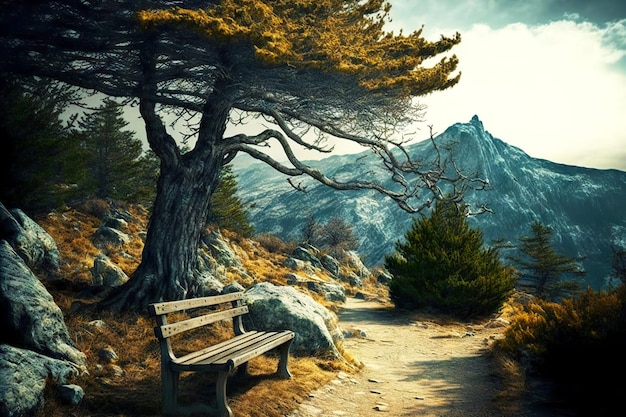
(442, 265)
(227, 210)
(114, 153)
(40, 161)
(619, 264)
(542, 268)
(148, 175)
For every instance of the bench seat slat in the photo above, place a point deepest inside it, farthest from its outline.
(233, 352)
(214, 349)
(240, 352)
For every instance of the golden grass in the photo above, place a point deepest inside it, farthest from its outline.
(136, 391)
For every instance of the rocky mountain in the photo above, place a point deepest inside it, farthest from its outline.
(584, 207)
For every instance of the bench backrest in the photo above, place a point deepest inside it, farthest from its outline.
(164, 330)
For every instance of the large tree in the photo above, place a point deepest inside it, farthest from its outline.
(307, 69)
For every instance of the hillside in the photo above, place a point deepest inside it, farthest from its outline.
(583, 206)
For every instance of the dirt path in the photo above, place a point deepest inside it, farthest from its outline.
(412, 367)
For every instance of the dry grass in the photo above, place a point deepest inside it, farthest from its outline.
(131, 385)
(137, 391)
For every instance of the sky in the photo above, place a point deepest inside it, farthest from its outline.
(547, 76)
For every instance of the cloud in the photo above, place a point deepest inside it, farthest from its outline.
(555, 90)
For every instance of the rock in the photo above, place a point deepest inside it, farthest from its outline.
(299, 265)
(307, 254)
(330, 264)
(71, 394)
(107, 354)
(29, 316)
(218, 258)
(275, 308)
(333, 292)
(351, 279)
(108, 236)
(31, 242)
(354, 261)
(295, 279)
(23, 376)
(384, 278)
(220, 250)
(497, 323)
(233, 287)
(210, 284)
(105, 272)
(116, 223)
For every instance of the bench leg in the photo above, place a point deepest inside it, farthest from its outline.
(223, 410)
(242, 370)
(283, 364)
(169, 386)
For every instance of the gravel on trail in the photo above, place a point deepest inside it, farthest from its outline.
(412, 366)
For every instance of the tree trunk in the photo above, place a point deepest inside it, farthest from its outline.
(168, 269)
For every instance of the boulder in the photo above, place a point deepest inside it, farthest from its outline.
(108, 236)
(352, 279)
(116, 223)
(210, 284)
(105, 272)
(29, 240)
(29, 316)
(71, 394)
(23, 377)
(353, 260)
(330, 264)
(384, 278)
(275, 308)
(334, 292)
(299, 265)
(216, 257)
(307, 254)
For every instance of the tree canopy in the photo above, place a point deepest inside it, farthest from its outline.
(306, 70)
(327, 66)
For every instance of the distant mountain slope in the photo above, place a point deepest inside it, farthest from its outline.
(586, 208)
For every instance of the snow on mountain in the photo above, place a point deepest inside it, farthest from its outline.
(585, 207)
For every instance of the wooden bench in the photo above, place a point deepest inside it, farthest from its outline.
(221, 358)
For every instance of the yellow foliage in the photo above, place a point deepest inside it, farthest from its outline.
(543, 324)
(344, 36)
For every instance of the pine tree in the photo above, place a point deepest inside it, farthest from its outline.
(442, 265)
(40, 160)
(619, 264)
(227, 210)
(542, 267)
(114, 153)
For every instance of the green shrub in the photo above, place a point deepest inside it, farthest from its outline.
(442, 265)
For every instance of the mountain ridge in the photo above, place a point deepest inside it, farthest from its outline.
(583, 206)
